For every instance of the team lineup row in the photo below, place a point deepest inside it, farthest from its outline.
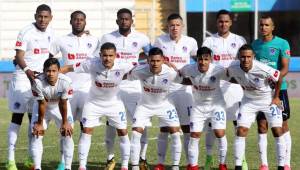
(149, 89)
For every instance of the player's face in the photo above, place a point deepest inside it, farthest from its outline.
(108, 57)
(223, 24)
(124, 22)
(266, 26)
(246, 59)
(203, 62)
(51, 74)
(42, 19)
(155, 63)
(175, 27)
(78, 23)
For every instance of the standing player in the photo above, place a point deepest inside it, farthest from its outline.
(51, 91)
(255, 78)
(76, 47)
(31, 51)
(156, 79)
(224, 45)
(208, 106)
(129, 44)
(177, 49)
(103, 100)
(275, 52)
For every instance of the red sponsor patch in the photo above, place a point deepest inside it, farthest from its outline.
(70, 92)
(34, 93)
(146, 89)
(18, 43)
(288, 52)
(77, 64)
(217, 57)
(166, 59)
(71, 56)
(276, 73)
(36, 51)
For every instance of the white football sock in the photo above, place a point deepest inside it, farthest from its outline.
(162, 145)
(12, 133)
(193, 151)
(144, 144)
(239, 150)
(222, 148)
(135, 147)
(62, 159)
(83, 149)
(176, 148)
(281, 150)
(29, 135)
(209, 141)
(68, 150)
(186, 140)
(125, 150)
(37, 151)
(110, 136)
(288, 142)
(263, 145)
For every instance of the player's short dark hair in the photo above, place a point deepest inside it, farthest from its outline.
(124, 10)
(77, 13)
(108, 46)
(202, 51)
(156, 51)
(51, 61)
(246, 47)
(43, 7)
(174, 16)
(223, 12)
(266, 16)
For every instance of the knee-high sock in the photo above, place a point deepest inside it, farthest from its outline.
(288, 142)
(193, 151)
(12, 134)
(263, 145)
(110, 136)
(186, 140)
(162, 145)
(209, 141)
(281, 150)
(37, 151)
(62, 157)
(144, 144)
(222, 148)
(176, 148)
(29, 136)
(135, 147)
(83, 149)
(239, 150)
(68, 150)
(125, 150)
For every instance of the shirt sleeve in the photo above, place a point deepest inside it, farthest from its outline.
(157, 43)
(83, 67)
(285, 50)
(68, 90)
(37, 90)
(146, 45)
(55, 47)
(133, 74)
(22, 41)
(194, 47)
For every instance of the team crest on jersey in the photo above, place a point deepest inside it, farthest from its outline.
(17, 105)
(49, 38)
(134, 44)
(83, 120)
(184, 49)
(164, 47)
(191, 124)
(165, 81)
(117, 73)
(213, 78)
(89, 45)
(256, 80)
(272, 51)
(233, 45)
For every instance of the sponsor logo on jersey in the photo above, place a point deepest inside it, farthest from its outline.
(105, 84)
(18, 43)
(276, 73)
(288, 52)
(71, 56)
(217, 57)
(36, 51)
(70, 92)
(77, 64)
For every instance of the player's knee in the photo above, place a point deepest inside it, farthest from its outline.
(262, 126)
(277, 131)
(122, 132)
(138, 129)
(219, 133)
(17, 118)
(285, 126)
(242, 131)
(174, 129)
(195, 134)
(185, 128)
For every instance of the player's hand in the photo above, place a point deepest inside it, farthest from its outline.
(277, 102)
(31, 75)
(66, 129)
(38, 129)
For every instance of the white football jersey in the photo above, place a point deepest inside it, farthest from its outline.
(206, 86)
(36, 45)
(255, 82)
(52, 94)
(105, 82)
(155, 87)
(224, 49)
(75, 49)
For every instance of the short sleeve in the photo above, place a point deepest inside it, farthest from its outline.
(67, 90)
(37, 90)
(206, 43)
(157, 43)
(285, 50)
(22, 41)
(133, 74)
(55, 47)
(194, 46)
(83, 67)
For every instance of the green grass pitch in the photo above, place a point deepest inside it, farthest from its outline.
(97, 155)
